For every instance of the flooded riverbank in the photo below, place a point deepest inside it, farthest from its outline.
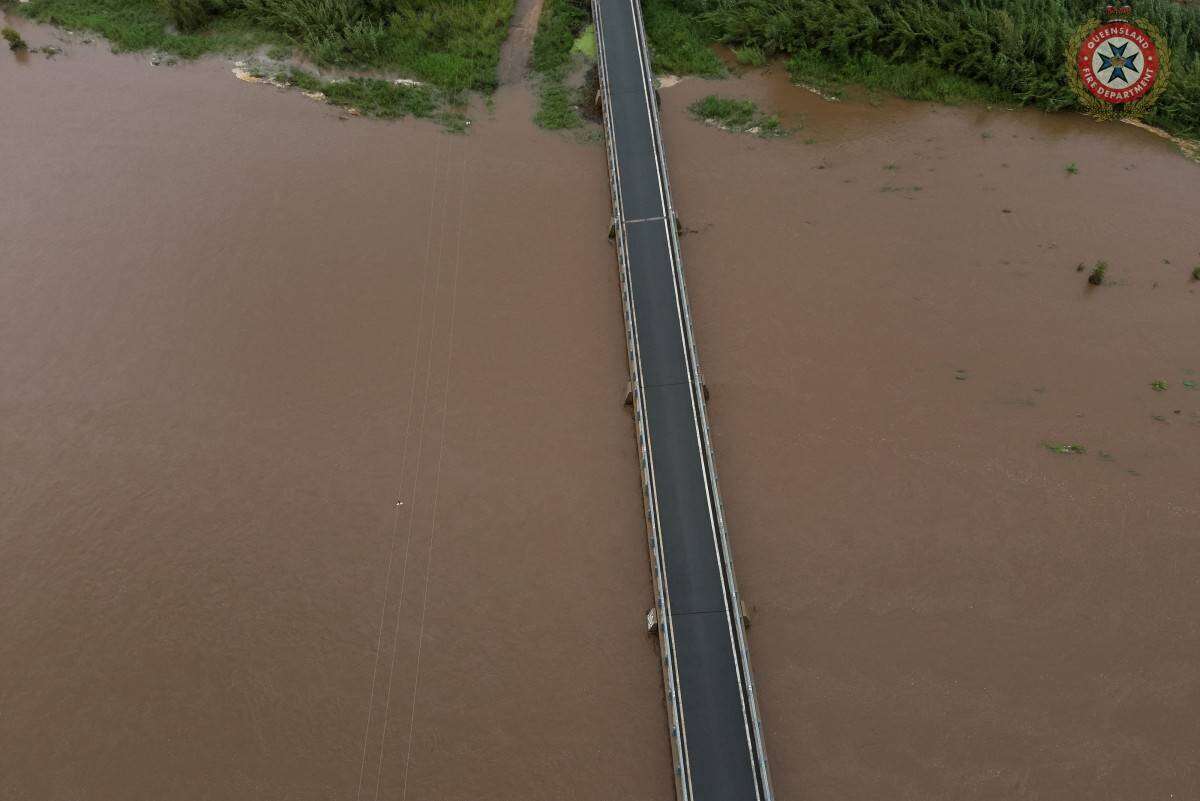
(315, 481)
(894, 329)
(236, 332)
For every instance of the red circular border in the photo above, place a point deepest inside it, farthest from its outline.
(1098, 36)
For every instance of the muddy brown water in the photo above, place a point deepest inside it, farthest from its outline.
(236, 331)
(943, 608)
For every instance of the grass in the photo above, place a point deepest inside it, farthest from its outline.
(953, 51)
(750, 56)
(133, 25)
(1196, 273)
(1159, 386)
(913, 81)
(1065, 448)
(452, 44)
(378, 98)
(1072, 169)
(585, 43)
(15, 42)
(564, 29)
(679, 41)
(732, 114)
(556, 107)
(1096, 277)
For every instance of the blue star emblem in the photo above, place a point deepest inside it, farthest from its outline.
(1118, 62)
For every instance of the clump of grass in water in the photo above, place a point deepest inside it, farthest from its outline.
(15, 42)
(1159, 385)
(556, 109)
(742, 116)
(382, 99)
(750, 56)
(1196, 273)
(1069, 448)
(1096, 278)
(1072, 169)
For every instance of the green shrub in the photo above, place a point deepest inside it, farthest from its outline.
(560, 23)
(454, 44)
(15, 42)
(679, 42)
(750, 56)
(736, 115)
(188, 15)
(939, 49)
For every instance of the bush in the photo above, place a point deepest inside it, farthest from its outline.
(15, 42)
(736, 115)
(454, 44)
(560, 23)
(188, 15)
(750, 56)
(1014, 47)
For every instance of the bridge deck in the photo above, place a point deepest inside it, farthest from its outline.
(716, 734)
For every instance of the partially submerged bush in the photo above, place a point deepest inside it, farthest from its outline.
(1098, 272)
(561, 23)
(733, 114)
(15, 42)
(750, 56)
(937, 49)
(453, 44)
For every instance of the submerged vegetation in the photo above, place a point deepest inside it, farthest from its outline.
(378, 98)
(992, 51)
(15, 42)
(1068, 448)
(563, 30)
(731, 114)
(452, 44)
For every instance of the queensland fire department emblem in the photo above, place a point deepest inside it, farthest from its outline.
(1118, 66)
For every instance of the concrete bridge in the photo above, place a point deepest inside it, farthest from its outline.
(712, 710)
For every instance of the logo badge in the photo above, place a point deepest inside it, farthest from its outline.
(1118, 67)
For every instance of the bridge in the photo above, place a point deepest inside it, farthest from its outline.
(712, 709)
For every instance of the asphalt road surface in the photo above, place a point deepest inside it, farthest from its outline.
(720, 754)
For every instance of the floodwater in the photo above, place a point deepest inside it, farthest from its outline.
(892, 325)
(315, 482)
(236, 331)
